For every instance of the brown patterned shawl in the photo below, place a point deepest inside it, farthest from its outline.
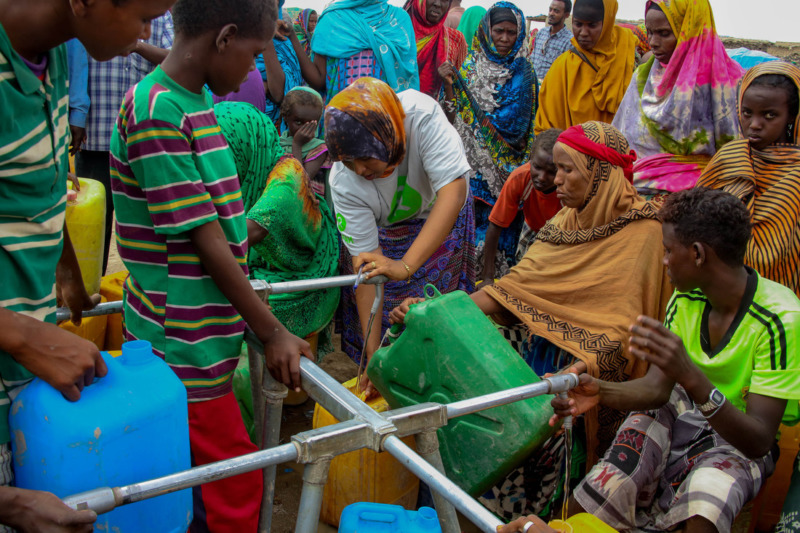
(590, 273)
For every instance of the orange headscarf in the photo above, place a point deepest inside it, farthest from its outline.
(584, 85)
(376, 108)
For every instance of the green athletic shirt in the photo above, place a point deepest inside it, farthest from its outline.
(757, 354)
(34, 140)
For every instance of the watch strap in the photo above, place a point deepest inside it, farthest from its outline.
(712, 404)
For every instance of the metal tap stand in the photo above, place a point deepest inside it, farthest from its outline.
(360, 427)
(268, 393)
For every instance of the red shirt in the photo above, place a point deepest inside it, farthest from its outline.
(537, 207)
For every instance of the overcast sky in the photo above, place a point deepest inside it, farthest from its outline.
(771, 20)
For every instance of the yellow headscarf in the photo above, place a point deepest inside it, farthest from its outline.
(579, 89)
(687, 18)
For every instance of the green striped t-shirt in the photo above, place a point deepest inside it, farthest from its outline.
(33, 190)
(172, 171)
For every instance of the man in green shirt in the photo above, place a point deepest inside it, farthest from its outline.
(34, 245)
(724, 372)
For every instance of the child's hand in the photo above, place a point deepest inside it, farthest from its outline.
(78, 139)
(282, 352)
(76, 185)
(398, 314)
(71, 292)
(579, 400)
(306, 133)
(366, 386)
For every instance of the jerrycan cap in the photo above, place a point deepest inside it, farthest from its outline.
(137, 353)
(427, 514)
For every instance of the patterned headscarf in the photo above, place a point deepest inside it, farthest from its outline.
(678, 115)
(435, 45)
(301, 28)
(640, 32)
(774, 67)
(496, 96)
(372, 106)
(602, 155)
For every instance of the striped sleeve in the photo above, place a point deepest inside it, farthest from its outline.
(776, 371)
(161, 159)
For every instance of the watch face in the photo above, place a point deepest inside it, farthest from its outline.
(717, 397)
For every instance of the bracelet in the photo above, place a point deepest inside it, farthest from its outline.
(449, 106)
(408, 270)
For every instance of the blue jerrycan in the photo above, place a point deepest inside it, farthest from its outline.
(368, 517)
(130, 426)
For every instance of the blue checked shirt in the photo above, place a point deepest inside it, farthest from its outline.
(110, 80)
(547, 48)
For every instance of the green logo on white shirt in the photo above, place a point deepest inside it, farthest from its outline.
(406, 202)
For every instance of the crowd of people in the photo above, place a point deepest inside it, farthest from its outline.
(628, 198)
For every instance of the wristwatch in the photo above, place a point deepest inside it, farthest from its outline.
(715, 400)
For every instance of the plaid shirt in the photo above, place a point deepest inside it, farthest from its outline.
(547, 48)
(110, 80)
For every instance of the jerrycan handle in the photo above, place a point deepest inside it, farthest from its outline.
(431, 291)
(394, 332)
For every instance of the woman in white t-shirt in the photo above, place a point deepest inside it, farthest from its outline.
(399, 187)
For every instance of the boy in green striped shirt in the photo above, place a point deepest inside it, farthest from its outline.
(182, 234)
(34, 245)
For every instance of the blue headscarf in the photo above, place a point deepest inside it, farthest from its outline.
(514, 99)
(370, 25)
(496, 99)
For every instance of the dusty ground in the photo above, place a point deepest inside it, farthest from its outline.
(288, 483)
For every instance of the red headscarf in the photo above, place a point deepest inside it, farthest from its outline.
(575, 137)
(435, 45)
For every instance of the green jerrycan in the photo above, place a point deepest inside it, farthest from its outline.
(450, 351)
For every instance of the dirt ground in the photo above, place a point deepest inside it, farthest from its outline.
(289, 479)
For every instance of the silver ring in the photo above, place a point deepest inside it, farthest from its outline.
(527, 526)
